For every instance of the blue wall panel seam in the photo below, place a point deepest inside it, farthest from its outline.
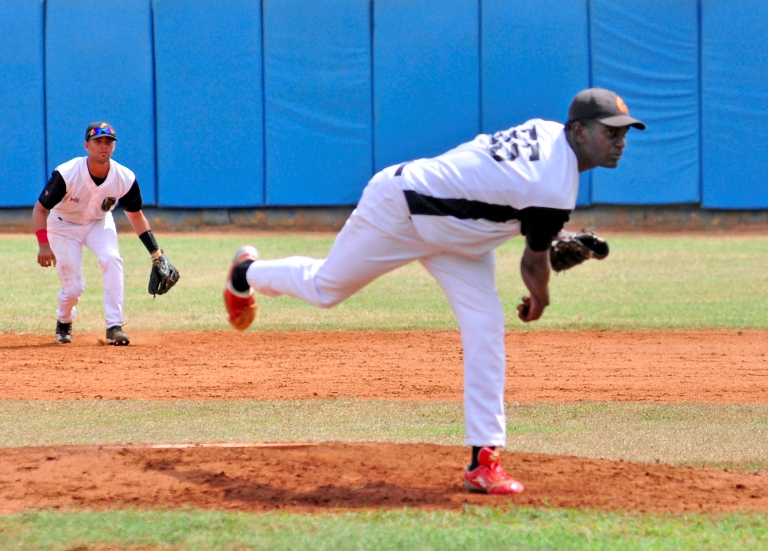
(588, 177)
(589, 43)
(45, 102)
(263, 113)
(701, 103)
(371, 23)
(154, 98)
(480, 66)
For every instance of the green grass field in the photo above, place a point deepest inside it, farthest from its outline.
(647, 283)
(514, 529)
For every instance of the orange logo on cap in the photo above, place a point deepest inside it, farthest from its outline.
(621, 105)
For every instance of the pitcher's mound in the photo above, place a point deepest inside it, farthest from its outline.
(333, 476)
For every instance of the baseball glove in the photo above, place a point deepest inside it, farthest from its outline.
(163, 276)
(571, 249)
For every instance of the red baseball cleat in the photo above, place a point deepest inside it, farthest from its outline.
(241, 306)
(489, 477)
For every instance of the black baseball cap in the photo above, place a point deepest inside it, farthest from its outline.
(100, 130)
(603, 106)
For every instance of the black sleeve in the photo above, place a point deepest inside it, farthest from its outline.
(54, 191)
(131, 201)
(540, 225)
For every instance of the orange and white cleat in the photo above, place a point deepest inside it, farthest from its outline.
(241, 305)
(489, 477)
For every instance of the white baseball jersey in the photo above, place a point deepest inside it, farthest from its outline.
(449, 213)
(85, 202)
(470, 198)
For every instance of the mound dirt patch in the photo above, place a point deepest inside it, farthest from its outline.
(705, 366)
(349, 476)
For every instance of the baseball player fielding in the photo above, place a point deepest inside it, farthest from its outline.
(75, 210)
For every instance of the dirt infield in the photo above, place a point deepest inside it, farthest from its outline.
(706, 366)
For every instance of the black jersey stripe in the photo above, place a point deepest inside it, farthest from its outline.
(399, 170)
(464, 209)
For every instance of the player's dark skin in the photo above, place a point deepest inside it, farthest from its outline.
(534, 269)
(595, 144)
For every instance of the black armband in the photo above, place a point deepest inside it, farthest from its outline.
(148, 238)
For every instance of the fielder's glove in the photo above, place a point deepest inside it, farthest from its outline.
(163, 276)
(571, 249)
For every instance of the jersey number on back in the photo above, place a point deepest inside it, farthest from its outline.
(508, 145)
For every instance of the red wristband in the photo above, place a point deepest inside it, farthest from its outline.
(42, 236)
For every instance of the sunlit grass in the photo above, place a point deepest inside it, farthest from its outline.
(657, 283)
(646, 283)
(473, 528)
(711, 435)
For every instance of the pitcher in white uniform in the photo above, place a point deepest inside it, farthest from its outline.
(450, 213)
(81, 195)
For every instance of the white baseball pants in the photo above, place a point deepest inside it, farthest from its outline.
(67, 242)
(380, 237)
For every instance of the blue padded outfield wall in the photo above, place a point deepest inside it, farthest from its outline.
(734, 104)
(647, 50)
(210, 130)
(535, 58)
(254, 103)
(22, 102)
(317, 90)
(98, 66)
(426, 77)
